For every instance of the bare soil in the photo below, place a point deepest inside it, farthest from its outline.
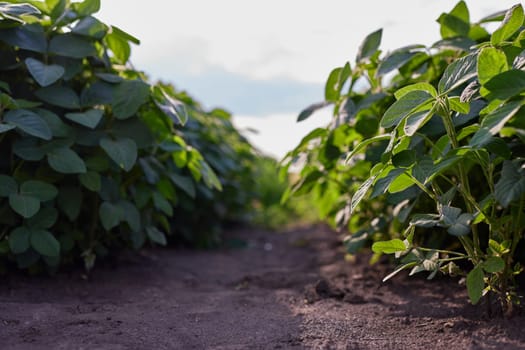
(267, 290)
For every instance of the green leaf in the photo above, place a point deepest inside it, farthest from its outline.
(86, 7)
(70, 201)
(491, 62)
(44, 74)
(122, 151)
(457, 73)
(131, 215)
(29, 122)
(412, 102)
(171, 107)
(423, 169)
(59, 96)
(99, 163)
(449, 214)
(90, 180)
(404, 159)
(475, 284)
(389, 247)
(417, 120)
(511, 24)
(493, 264)
(365, 143)
(120, 48)
(55, 123)
(507, 84)
(370, 45)
(44, 219)
(458, 106)
(19, 240)
(331, 90)
(128, 97)
(415, 87)
(425, 220)
(28, 149)
(26, 206)
(511, 184)
(156, 236)
(110, 215)
(162, 204)
(401, 183)
(469, 91)
(72, 45)
(381, 186)
(210, 178)
(496, 120)
(394, 61)
(110, 78)
(457, 223)
(38, 189)
(55, 8)
(6, 127)
(98, 93)
(124, 35)
(8, 186)
(5, 86)
(456, 23)
(14, 11)
(306, 113)
(45, 243)
(461, 226)
(88, 119)
(361, 193)
(66, 161)
(335, 82)
(30, 38)
(135, 129)
(184, 183)
(399, 269)
(90, 27)
(21, 103)
(493, 123)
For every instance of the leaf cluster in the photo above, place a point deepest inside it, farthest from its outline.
(427, 146)
(95, 158)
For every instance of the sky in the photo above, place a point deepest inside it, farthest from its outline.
(265, 61)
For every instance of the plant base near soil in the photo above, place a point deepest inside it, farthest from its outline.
(266, 291)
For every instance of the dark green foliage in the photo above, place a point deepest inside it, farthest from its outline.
(95, 158)
(441, 161)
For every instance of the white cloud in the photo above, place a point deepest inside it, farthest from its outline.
(279, 133)
(267, 39)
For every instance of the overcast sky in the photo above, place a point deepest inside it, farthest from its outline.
(266, 60)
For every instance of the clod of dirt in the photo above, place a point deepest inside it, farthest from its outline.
(353, 298)
(322, 289)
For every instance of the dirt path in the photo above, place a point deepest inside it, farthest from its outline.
(280, 291)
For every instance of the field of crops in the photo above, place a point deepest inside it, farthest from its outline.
(112, 184)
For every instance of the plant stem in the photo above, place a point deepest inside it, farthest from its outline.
(443, 251)
(454, 258)
(517, 226)
(464, 183)
(421, 186)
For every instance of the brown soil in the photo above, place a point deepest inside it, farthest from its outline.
(279, 291)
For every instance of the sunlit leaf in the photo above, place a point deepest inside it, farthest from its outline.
(511, 23)
(370, 45)
(389, 247)
(475, 284)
